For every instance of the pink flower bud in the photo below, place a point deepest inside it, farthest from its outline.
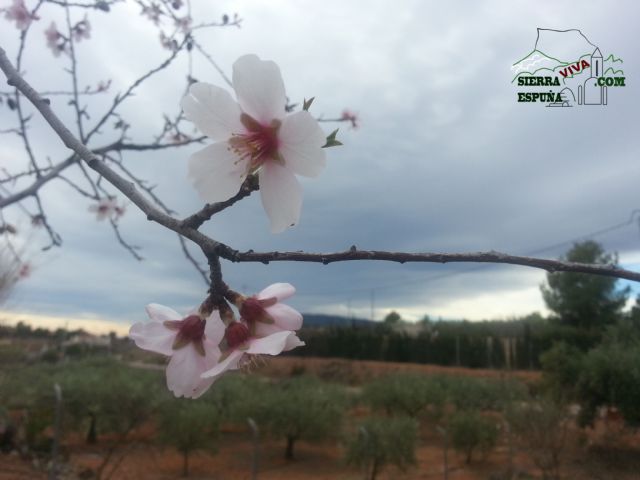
(236, 334)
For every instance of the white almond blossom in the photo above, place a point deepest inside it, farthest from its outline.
(254, 134)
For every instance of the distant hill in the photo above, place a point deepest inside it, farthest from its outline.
(313, 320)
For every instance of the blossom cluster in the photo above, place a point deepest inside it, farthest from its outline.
(253, 135)
(202, 346)
(57, 42)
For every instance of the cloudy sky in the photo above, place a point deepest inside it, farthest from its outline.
(445, 158)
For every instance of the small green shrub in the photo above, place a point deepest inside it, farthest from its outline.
(383, 441)
(470, 431)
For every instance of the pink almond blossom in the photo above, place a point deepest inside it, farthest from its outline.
(349, 116)
(25, 270)
(191, 342)
(184, 24)
(153, 13)
(82, 30)
(254, 134)
(266, 327)
(55, 40)
(108, 208)
(119, 211)
(18, 12)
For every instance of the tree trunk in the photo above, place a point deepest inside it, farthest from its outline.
(374, 469)
(92, 433)
(290, 444)
(185, 464)
(55, 444)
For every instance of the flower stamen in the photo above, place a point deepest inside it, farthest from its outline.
(259, 144)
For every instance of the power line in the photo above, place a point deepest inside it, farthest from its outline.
(633, 217)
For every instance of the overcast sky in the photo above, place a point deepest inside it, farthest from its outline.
(445, 159)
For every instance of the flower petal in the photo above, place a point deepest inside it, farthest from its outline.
(281, 196)
(216, 172)
(160, 313)
(229, 363)
(285, 317)
(259, 88)
(214, 328)
(271, 345)
(261, 329)
(292, 342)
(153, 336)
(301, 140)
(212, 110)
(281, 291)
(186, 367)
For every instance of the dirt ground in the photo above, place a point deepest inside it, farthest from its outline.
(360, 371)
(585, 457)
(319, 462)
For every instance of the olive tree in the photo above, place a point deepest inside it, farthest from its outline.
(470, 432)
(383, 441)
(405, 394)
(540, 428)
(111, 398)
(301, 408)
(189, 426)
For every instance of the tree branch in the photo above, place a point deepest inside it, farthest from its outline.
(41, 180)
(128, 189)
(55, 171)
(402, 257)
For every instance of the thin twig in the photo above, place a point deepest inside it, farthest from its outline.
(212, 62)
(78, 189)
(74, 75)
(132, 249)
(249, 186)
(120, 98)
(192, 260)
(55, 238)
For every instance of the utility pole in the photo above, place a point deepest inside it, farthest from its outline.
(255, 457)
(373, 302)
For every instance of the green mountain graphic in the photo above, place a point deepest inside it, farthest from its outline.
(613, 59)
(613, 72)
(532, 52)
(553, 70)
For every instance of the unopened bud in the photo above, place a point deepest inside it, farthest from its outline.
(236, 334)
